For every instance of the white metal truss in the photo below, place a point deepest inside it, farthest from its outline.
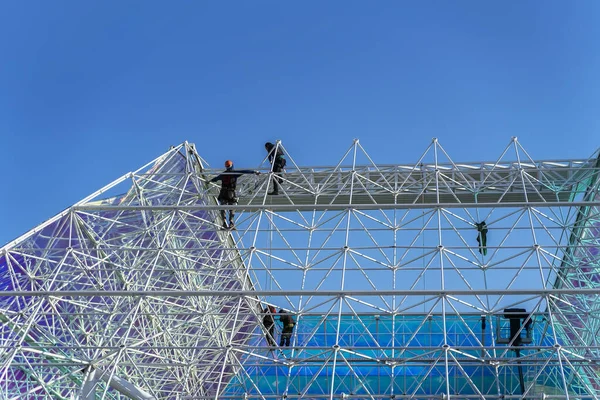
(137, 292)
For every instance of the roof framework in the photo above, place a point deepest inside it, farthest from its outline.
(136, 291)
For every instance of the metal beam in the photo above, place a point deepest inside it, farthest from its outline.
(88, 389)
(331, 207)
(329, 293)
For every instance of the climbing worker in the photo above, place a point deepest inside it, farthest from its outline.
(269, 323)
(277, 160)
(227, 194)
(482, 237)
(288, 327)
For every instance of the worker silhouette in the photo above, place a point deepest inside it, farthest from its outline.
(288, 327)
(227, 195)
(482, 231)
(277, 160)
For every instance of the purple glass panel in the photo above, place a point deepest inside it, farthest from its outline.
(126, 250)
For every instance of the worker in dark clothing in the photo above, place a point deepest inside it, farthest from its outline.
(277, 160)
(482, 237)
(227, 194)
(288, 327)
(269, 323)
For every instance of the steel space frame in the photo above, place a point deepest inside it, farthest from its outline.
(393, 295)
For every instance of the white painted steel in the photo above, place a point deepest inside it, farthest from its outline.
(391, 246)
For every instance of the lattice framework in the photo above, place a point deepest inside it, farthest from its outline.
(378, 264)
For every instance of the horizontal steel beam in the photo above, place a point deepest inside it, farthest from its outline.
(392, 397)
(330, 293)
(331, 207)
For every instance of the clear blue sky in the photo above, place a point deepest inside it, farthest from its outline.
(90, 90)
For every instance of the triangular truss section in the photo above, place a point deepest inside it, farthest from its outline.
(102, 254)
